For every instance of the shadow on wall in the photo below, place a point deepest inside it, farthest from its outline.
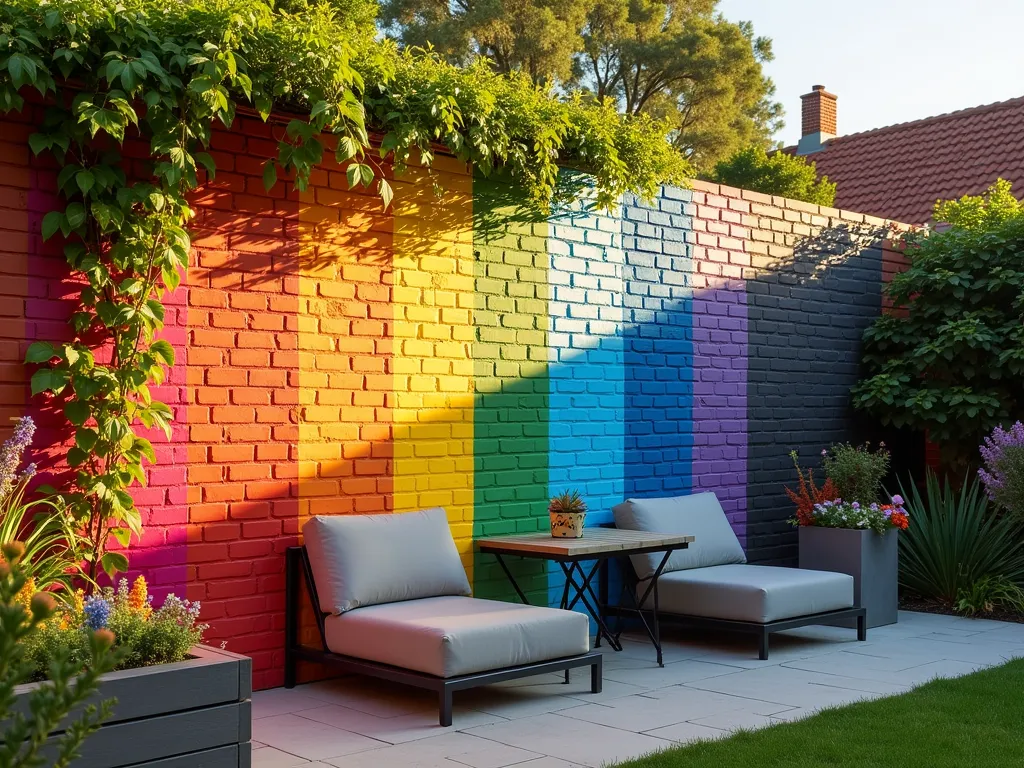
(804, 357)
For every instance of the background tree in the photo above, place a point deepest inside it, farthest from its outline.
(775, 174)
(952, 362)
(676, 60)
(538, 37)
(682, 61)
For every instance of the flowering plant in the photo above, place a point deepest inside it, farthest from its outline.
(145, 636)
(52, 547)
(879, 518)
(68, 698)
(1003, 474)
(808, 495)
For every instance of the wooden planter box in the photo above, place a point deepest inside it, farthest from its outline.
(872, 560)
(193, 714)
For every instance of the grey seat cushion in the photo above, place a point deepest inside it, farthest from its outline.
(451, 636)
(699, 515)
(757, 593)
(361, 560)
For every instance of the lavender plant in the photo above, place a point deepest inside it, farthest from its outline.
(1003, 473)
(11, 479)
(53, 546)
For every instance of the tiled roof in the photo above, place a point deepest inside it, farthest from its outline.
(898, 172)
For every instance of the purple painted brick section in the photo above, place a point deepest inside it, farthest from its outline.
(720, 399)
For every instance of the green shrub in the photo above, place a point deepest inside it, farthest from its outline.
(957, 540)
(775, 174)
(952, 361)
(857, 472)
(73, 679)
(988, 594)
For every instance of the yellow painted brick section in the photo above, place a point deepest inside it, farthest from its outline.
(433, 303)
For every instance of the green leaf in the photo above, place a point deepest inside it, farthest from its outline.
(162, 350)
(75, 215)
(85, 181)
(347, 148)
(123, 536)
(38, 143)
(352, 174)
(85, 438)
(40, 352)
(366, 174)
(269, 174)
(143, 446)
(52, 224)
(206, 160)
(385, 192)
(113, 563)
(76, 456)
(48, 380)
(77, 412)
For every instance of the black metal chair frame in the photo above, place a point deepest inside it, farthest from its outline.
(297, 568)
(762, 630)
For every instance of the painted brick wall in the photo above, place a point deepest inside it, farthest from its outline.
(460, 350)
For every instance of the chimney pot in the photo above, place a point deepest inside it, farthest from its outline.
(818, 113)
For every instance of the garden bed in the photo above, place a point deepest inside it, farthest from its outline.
(191, 713)
(929, 605)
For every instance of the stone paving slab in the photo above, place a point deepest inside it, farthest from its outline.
(710, 687)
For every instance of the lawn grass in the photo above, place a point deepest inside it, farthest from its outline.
(976, 720)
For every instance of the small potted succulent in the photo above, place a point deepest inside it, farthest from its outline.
(567, 512)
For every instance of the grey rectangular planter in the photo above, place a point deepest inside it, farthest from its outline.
(872, 560)
(192, 714)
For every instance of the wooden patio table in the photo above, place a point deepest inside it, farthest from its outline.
(599, 545)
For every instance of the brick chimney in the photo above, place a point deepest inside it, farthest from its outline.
(818, 118)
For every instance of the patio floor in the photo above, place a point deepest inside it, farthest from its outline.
(709, 687)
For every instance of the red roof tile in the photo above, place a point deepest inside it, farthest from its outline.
(898, 172)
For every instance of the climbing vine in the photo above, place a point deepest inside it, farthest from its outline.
(149, 79)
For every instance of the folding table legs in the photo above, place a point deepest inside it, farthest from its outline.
(653, 632)
(579, 584)
(582, 590)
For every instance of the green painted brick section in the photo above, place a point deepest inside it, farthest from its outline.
(512, 388)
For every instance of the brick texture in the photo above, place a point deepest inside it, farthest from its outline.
(462, 350)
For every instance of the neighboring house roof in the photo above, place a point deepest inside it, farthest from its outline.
(898, 172)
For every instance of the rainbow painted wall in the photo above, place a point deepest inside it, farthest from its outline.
(459, 350)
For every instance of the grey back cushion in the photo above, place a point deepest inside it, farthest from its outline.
(699, 515)
(360, 560)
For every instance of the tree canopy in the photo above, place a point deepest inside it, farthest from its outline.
(775, 174)
(677, 60)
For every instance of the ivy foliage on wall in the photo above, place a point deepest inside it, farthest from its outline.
(164, 72)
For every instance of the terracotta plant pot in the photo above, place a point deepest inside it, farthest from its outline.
(567, 525)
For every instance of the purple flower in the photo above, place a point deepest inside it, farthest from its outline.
(873, 507)
(855, 505)
(1003, 454)
(97, 612)
(897, 500)
(824, 452)
(10, 455)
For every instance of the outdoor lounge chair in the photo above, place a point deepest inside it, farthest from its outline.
(710, 585)
(394, 603)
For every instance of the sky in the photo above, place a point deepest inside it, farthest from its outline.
(888, 61)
